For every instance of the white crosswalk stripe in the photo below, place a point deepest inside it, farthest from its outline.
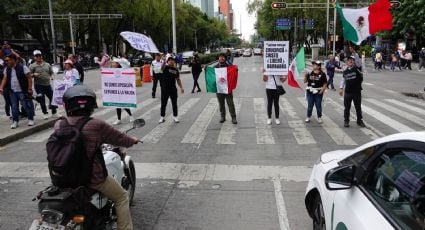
(197, 131)
(407, 106)
(386, 120)
(227, 135)
(417, 102)
(334, 131)
(263, 131)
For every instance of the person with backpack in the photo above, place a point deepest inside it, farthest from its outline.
(87, 169)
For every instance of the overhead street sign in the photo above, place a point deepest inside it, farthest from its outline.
(278, 5)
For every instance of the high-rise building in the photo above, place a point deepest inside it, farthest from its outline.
(206, 6)
(225, 9)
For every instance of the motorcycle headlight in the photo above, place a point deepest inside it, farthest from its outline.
(52, 216)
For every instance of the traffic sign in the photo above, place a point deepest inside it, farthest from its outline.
(395, 4)
(283, 24)
(306, 23)
(278, 5)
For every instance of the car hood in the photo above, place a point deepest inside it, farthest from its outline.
(335, 155)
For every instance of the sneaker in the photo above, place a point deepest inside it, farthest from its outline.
(161, 120)
(307, 120)
(234, 121)
(131, 119)
(320, 120)
(45, 116)
(30, 122)
(346, 124)
(269, 121)
(361, 123)
(222, 120)
(14, 125)
(176, 120)
(277, 121)
(117, 122)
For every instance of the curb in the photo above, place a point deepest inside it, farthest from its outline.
(27, 132)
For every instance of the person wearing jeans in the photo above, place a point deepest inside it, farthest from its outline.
(6, 96)
(316, 86)
(17, 78)
(272, 81)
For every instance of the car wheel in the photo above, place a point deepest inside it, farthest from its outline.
(318, 214)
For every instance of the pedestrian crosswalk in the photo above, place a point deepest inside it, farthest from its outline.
(382, 117)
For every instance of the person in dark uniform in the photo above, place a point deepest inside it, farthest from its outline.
(168, 79)
(351, 88)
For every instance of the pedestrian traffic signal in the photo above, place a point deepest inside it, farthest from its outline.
(395, 4)
(278, 5)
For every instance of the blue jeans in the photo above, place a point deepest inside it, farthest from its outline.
(314, 99)
(15, 98)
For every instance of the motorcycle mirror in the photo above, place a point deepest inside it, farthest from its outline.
(139, 123)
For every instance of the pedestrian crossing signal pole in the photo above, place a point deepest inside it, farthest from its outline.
(173, 15)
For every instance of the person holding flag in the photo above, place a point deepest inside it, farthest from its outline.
(222, 80)
(316, 86)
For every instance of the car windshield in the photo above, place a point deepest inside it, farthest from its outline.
(397, 183)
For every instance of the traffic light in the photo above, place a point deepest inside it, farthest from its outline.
(278, 5)
(395, 4)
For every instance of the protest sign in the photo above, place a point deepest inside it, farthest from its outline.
(119, 87)
(59, 88)
(276, 57)
(140, 41)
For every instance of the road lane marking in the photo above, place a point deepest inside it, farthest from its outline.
(334, 131)
(386, 120)
(179, 171)
(405, 115)
(417, 102)
(154, 135)
(197, 131)
(263, 131)
(301, 133)
(280, 204)
(227, 135)
(124, 114)
(407, 106)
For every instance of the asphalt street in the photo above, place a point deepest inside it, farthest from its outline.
(200, 174)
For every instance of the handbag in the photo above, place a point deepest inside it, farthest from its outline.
(279, 89)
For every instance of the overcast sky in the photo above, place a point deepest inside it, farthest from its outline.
(248, 21)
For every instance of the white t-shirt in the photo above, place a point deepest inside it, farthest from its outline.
(14, 83)
(70, 77)
(270, 82)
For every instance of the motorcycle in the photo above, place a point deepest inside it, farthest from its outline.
(83, 208)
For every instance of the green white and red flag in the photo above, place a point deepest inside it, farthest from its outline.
(221, 80)
(295, 69)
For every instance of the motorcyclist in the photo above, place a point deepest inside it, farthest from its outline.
(79, 102)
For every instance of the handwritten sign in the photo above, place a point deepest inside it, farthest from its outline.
(119, 87)
(59, 88)
(140, 41)
(276, 57)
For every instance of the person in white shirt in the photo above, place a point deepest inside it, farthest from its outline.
(156, 72)
(70, 74)
(272, 96)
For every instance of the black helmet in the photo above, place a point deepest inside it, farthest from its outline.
(79, 98)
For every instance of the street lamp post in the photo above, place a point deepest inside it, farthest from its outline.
(173, 15)
(53, 32)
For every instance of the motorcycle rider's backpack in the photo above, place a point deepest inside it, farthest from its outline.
(69, 165)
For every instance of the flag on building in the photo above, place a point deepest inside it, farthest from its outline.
(295, 69)
(221, 80)
(358, 24)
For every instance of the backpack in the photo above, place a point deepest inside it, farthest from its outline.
(69, 165)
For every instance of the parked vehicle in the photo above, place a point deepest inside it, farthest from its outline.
(258, 52)
(187, 56)
(379, 185)
(83, 208)
(247, 53)
(140, 59)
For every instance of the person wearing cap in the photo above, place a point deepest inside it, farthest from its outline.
(6, 96)
(316, 85)
(221, 97)
(42, 73)
(77, 65)
(19, 82)
(421, 59)
(156, 72)
(118, 63)
(170, 76)
(70, 74)
(351, 88)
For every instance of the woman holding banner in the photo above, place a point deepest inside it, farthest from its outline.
(116, 64)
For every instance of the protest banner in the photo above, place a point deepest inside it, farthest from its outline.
(276, 57)
(59, 88)
(140, 41)
(119, 87)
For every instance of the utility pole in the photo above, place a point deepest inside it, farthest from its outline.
(72, 33)
(53, 31)
(173, 15)
(327, 28)
(334, 40)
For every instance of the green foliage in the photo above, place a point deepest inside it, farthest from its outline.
(208, 58)
(366, 48)
(409, 20)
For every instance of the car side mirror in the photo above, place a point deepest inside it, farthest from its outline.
(341, 177)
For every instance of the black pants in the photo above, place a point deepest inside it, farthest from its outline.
(408, 64)
(229, 98)
(119, 112)
(195, 81)
(44, 91)
(357, 99)
(272, 99)
(155, 79)
(7, 102)
(165, 94)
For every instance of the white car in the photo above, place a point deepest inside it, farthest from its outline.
(247, 53)
(257, 51)
(379, 185)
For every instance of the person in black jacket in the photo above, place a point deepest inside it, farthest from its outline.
(196, 71)
(351, 88)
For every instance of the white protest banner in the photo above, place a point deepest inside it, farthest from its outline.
(276, 57)
(119, 87)
(140, 41)
(59, 88)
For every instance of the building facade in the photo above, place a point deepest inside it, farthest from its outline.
(225, 9)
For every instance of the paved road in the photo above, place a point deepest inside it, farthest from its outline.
(200, 174)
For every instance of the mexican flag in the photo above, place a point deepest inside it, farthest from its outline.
(296, 67)
(358, 24)
(221, 80)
